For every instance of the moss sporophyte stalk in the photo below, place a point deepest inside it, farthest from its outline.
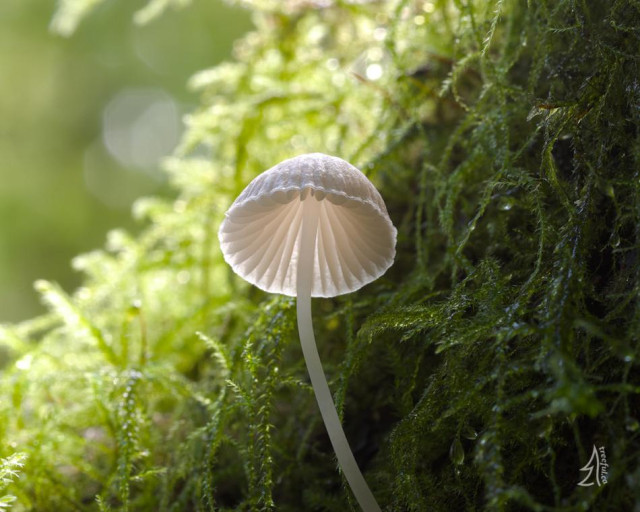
(313, 225)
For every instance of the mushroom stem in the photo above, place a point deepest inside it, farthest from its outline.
(304, 282)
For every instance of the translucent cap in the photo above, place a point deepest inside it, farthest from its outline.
(355, 242)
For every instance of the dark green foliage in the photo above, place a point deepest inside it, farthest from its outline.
(476, 374)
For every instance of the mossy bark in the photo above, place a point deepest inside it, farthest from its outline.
(477, 374)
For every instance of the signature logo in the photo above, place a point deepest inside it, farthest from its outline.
(597, 468)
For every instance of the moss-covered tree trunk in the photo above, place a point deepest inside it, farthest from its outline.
(478, 374)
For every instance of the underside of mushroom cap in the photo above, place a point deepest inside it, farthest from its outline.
(355, 242)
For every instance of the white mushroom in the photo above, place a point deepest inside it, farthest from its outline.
(312, 226)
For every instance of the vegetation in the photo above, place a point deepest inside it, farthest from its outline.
(65, 180)
(476, 374)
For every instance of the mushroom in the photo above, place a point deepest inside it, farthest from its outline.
(312, 226)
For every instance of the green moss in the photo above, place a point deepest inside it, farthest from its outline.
(476, 374)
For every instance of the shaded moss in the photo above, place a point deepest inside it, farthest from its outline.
(476, 374)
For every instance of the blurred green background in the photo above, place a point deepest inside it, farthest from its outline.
(84, 123)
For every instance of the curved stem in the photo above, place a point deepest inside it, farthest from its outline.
(304, 281)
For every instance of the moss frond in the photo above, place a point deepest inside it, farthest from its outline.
(477, 374)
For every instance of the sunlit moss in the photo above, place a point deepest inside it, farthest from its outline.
(476, 374)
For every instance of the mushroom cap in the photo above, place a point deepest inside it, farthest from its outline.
(355, 242)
